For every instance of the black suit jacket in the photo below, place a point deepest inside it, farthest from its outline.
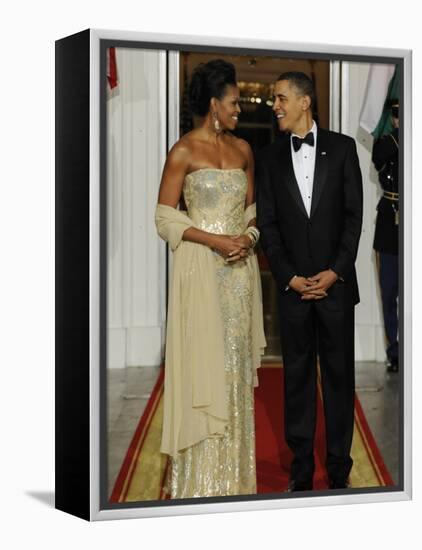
(298, 244)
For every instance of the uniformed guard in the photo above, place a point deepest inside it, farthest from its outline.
(385, 156)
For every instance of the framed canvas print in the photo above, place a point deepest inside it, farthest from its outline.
(233, 299)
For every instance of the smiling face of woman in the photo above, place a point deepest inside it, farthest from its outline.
(227, 108)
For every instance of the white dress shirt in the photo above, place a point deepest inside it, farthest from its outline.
(304, 167)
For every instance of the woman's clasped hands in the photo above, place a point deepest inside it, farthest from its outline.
(232, 247)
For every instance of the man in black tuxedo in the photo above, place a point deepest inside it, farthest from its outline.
(309, 212)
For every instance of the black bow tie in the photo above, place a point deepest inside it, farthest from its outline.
(297, 141)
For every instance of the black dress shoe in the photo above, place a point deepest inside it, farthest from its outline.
(338, 484)
(393, 366)
(299, 486)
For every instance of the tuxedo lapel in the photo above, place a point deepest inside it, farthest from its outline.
(286, 168)
(321, 168)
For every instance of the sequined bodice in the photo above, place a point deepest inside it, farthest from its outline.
(215, 199)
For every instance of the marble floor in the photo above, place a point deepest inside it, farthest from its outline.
(378, 393)
(129, 390)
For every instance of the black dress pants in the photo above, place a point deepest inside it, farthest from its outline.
(309, 329)
(389, 283)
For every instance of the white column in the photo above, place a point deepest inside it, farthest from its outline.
(136, 143)
(370, 345)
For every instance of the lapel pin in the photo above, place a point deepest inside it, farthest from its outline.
(323, 153)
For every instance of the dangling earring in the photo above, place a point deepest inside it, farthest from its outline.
(217, 126)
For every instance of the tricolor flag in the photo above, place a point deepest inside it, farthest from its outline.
(112, 67)
(382, 86)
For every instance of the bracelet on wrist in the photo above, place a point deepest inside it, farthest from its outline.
(253, 233)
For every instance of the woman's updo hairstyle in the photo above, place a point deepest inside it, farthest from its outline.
(209, 80)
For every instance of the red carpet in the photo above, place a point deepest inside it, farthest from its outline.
(143, 469)
(274, 457)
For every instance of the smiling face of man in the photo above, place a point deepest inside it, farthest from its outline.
(292, 108)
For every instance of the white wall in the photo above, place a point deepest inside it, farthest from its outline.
(136, 143)
(370, 345)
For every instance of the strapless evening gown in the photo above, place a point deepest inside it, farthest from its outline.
(215, 200)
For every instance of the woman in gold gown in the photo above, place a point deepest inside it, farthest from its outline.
(215, 332)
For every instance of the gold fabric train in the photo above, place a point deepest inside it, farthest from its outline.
(195, 405)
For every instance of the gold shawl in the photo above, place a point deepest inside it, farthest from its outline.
(194, 386)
